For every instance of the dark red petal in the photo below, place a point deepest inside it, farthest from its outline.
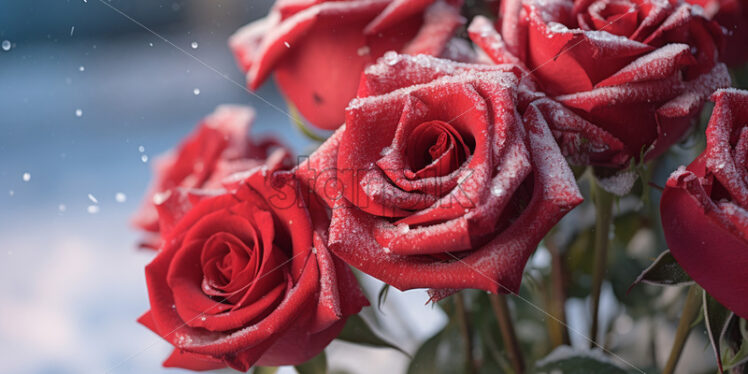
(297, 299)
(395, 12)
(192, 361)
(318, 172)
(440, 23)
(328, 309)
(298, 345)
(674, 117)
(658, 64)
(730, 113)
(483, 34)
(712, 255)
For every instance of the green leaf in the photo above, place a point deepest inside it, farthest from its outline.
(357, 331)
(736, 339)
(717, 319)
(443, 353)
(665, 271)
(317, 365)
(567, 360)
(265, 370)
(382, 297)
(425, 360)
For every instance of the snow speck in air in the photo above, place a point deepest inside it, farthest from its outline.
(26, 176)
(11, 193)
(93, 199)
(194, 45)
(72, 30)
(144, 158)
(6, 45)
(287, 45)
(196, 91)
(150, 44)
(79, 113)
(93, 209)
(141, 149)
(82, 68)
(62, 207)
(120, 197)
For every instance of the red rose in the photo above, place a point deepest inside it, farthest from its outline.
(217, 148)
(435, 182)
(705, 207)
(733, 16)
(245, 278)
(318, 48)
(637, 71)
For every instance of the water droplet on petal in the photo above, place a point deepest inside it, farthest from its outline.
(287, 45)
(497, 190)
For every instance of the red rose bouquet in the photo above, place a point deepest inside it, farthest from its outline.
(473, 153)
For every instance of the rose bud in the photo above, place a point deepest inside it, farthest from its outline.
(631, 75)
(246, 278)
(733, 16)
(704, 207)
(217, 148)
(319, 48)
(434, 181)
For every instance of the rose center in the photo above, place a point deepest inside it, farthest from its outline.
(224, 257)
(615, 17)
(436, 148)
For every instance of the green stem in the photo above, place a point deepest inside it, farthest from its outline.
(466, 331)
(511, 344)
(690, 312)
(557, 326)
(603, 217)
(299, 122)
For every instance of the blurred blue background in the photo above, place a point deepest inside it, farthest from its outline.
(83, 89)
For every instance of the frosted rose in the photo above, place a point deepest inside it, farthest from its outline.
(218, 147)
(704, 208)
(434, 181)
(245, 279)
(733, 16)
(635, 73)
(318, 48)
